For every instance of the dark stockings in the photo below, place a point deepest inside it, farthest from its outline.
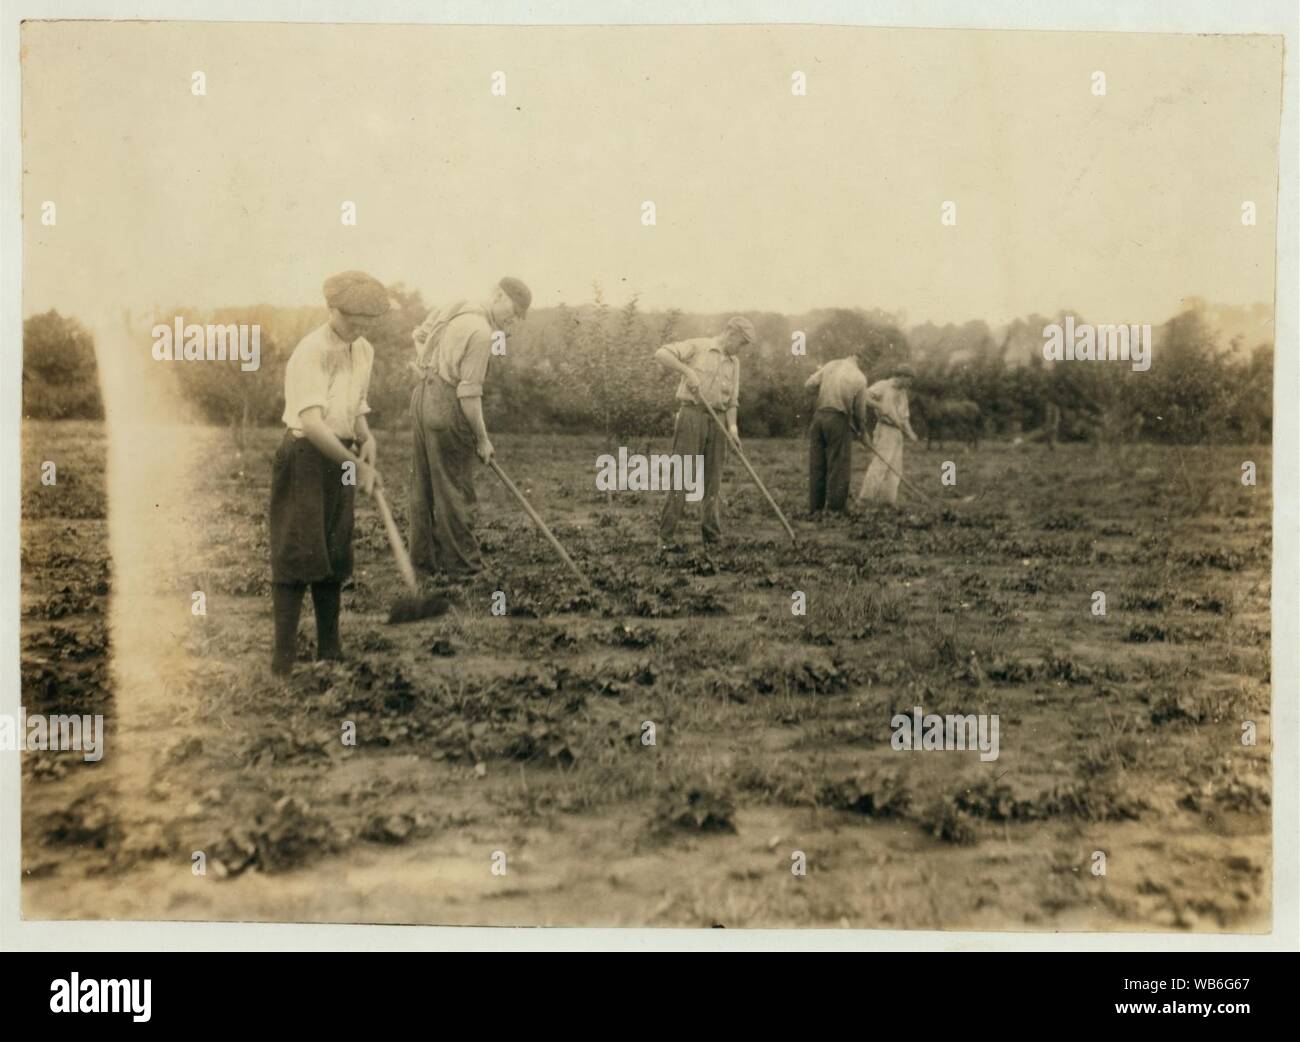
(286, 602)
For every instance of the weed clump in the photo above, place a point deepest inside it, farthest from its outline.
(876, 794)
(694, 808)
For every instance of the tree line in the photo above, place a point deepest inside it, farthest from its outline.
(589, 369)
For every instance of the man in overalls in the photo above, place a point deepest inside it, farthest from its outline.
(453, 349)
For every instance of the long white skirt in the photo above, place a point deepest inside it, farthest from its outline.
(880, 484)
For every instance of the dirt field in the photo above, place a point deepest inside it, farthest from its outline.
(480, 736)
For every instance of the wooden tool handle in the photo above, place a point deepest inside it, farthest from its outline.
(395, 541)
(902, 480)
(537, 520)
(752, 473)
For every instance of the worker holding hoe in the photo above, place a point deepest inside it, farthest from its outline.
(453, 348)
(889, 398)
(326, 452)
(840, 416)
(710, 377)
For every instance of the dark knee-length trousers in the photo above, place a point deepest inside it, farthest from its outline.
(311, 544)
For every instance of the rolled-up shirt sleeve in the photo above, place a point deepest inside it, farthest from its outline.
(859, 416)
(735, 385)
(306, 384)
(474, 365)
(683, 351)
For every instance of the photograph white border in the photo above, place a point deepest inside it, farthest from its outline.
(1272, 17)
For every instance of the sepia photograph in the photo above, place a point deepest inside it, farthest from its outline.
(785, 476)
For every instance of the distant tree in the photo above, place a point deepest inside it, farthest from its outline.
(1187, 393)
(774, 336)
(844, 331)
(1254, 410)
(391, 379)
(840, 332)
(591, 368)
(610, 362)
(773, 402)
(60, 378)
(224, 392)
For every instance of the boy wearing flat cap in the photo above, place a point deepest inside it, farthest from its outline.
(453, 348)
(710, 372)
(327, 451)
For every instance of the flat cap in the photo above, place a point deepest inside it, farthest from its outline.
(520, 295)
(745, 326)
(903, 370)
(356, 293)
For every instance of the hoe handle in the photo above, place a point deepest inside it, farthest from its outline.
(537, 520)
(752, 473)
(395, 541)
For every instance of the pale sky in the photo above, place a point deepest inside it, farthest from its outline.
(1118, 206)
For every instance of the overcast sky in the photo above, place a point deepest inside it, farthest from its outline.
(1118, 206)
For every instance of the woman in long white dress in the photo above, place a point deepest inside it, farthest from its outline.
(889, 398)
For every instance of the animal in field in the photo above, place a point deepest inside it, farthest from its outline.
(1050, 432)
(955, 419)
